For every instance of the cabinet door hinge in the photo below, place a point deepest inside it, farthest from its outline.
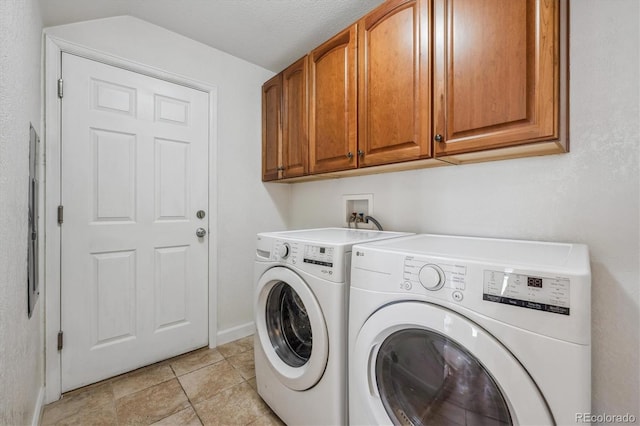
(60, 88)
(60, 215)
(60, 337)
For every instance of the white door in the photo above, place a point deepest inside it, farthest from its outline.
(134, 175)
(291, 329)
(416, 363)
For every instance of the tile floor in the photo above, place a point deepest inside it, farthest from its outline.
(203, 387)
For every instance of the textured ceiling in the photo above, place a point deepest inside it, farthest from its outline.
(269, 33)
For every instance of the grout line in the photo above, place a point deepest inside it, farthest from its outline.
(115, 410)
(189, 400)
(197, 369)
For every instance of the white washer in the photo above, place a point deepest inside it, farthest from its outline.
(456, 330)
(301, 302)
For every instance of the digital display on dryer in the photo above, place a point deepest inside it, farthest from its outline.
(534, 282)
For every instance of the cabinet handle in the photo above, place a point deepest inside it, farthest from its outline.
(349, 155)
(280, 168)
(360, 153)
(438, 137)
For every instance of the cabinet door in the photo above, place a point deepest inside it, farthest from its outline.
(394, 108)
(495, 73)
(271, 128)
(333, 99)
(294, 119)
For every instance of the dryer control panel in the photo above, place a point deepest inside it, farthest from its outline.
(426, 272)
(318, 255)
(527, 291)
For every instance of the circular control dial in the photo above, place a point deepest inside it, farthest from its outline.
(284, 250)
(431, 277)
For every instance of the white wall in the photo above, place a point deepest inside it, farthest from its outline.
(21, 338)
(590, 195)
(245, 205)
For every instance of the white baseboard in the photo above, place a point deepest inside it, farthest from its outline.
(37, 413)
(235, 333)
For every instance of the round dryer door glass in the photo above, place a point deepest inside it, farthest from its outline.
(424, 378)
(288, 325)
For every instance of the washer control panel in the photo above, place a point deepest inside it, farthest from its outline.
(318, 255)
(285, 251)
(323, 261)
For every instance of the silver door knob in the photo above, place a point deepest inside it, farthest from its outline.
(201, 232)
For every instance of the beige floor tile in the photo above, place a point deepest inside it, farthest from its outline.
(72, 403)
(194, 360)
(104, 415)
(243, 362)
(206, 382)
(186, 417)
(141, 379)
(151, 404)
(238, 405)
(269, 419)
(236, 347)
(252, 382)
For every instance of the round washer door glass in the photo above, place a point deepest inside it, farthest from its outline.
(425, 378)
(288, 325)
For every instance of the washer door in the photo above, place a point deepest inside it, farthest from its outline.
(291, 328)
(416, 363)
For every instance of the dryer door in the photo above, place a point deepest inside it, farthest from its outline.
(417, 363)
(291, 328)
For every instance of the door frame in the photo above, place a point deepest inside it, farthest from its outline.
(52, 60)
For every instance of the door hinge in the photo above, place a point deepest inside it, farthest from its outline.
(60, 337)
(60, 88)
(60, 214)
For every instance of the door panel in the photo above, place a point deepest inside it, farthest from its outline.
(113, 290)
(134, 173)
(495, 73)
(172, 177)
(272, 129)
(295, 142)
(394, 99)
(172, 285)
(333, 104)
(114, 176)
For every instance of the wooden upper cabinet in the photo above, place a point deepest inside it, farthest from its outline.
(495, 73)
(394, 107)
(294, 120)
(271, 128)
(332, 105)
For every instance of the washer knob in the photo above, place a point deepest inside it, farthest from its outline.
(283, 251)
(431, 277)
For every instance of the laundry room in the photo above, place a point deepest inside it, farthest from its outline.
(179, 205)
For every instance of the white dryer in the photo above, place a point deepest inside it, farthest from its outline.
(456, 330)
(301, 302)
